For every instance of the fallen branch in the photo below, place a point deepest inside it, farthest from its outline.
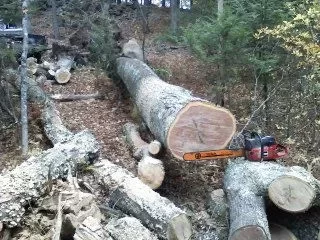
(133, 197)
(150, 169)
(66, 98)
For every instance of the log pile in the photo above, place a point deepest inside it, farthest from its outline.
(59, 71)
(184, 123)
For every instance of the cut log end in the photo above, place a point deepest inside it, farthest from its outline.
(279, 232)
(179, 228)
(200, 126)
(62, 76)
(249, 232)
(154, 147)
(291, 194)
(151, 172)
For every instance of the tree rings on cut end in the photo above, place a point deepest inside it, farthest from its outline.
(291, 194)
(249, 232)
(200, 126)
(279, 232)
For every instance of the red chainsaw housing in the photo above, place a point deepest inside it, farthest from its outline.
(271, 152)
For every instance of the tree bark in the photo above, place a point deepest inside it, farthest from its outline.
(180, 121)
(28, 181)
(24, 85)
(55, 22)
(150, 169)
(135, 198)
(248, 183)
(91, 229)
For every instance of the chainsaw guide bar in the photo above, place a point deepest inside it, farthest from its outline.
(213, 154)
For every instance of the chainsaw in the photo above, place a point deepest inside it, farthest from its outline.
(256, 148)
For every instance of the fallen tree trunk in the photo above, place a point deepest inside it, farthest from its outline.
(182, 122)
(53, 126)
(75, 97)
(247, 184)
(28, 181)
(150, 169)
(135, 198)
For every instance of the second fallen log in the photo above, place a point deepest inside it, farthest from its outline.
(182, 122)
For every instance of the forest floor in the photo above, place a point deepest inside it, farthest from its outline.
(186, 184)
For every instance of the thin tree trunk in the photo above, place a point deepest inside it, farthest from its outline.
(163, 3)
(24, 83)
(55, 23)
(220, 8)
(265, 94)
(174, 16)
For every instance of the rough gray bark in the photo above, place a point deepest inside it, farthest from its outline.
(180, 121)
(28, 181)
(219, 212)
(91, 229)
(135, 198)
(24, 85)
(150, 169)
(128, 228)
(247, 184)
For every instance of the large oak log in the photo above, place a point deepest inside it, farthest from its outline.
(28, 181)
(247, 183)
(133, 197)
(150, 169)
(182, 122)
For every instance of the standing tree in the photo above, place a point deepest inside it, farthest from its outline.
(174, 16)
(55, 22)
(24, 83)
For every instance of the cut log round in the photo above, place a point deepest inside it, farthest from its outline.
(154, 147)
(133, 197)
(182, 122)
(150, 170)
(279, 232)
(294, 193)
(62, 75)
(246, 184)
